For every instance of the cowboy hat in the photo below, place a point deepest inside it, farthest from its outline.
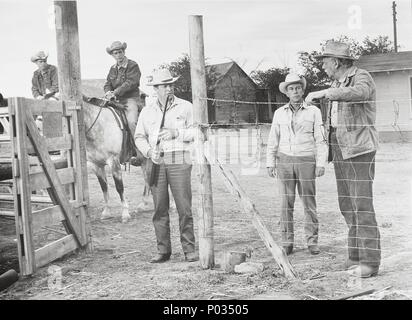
(162, 76)
(292, 78)
(41, 55)
(336, 49)
(116, 46)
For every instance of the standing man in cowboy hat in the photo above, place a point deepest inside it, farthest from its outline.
(45, 82)
(173, 156)
(123, 79)
(296, 154)
(353, 141)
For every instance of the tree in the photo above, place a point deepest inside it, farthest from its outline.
(313, 72)
(270, 80)
(381, 44)
(181, 68)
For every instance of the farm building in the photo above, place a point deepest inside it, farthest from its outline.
(392, 73)
(232, 83)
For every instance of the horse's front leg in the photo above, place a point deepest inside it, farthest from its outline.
(100, 173)
(118, 181)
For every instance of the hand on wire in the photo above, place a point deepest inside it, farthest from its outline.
(315, 95)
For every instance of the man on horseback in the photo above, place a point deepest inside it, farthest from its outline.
(123, 79)
(174, 117)
(45, 83)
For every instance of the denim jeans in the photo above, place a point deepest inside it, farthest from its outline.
(297, 172)
(354, 179)
(178, 176)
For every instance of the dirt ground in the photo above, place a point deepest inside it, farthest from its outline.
(118, 268)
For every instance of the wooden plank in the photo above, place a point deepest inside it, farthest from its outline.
(46, 217)
(53, 144)
(54, 180)
(198, 76)
(34, 199)
(37, 107)
(67, 39)
(39, 180)
(52, 124)
(5, 149)
(5, 123)
(249, 208)
(4, 111)
(22, 201)
(55, 250)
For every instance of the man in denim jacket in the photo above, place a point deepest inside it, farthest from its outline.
(45, 82)
(353, 141)
(123, 81)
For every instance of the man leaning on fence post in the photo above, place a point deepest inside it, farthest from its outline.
(353, 141)
(296, 154)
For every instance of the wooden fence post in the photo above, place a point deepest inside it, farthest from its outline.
(199, 92)
(68, 57)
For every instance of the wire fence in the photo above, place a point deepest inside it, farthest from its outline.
(243, 150)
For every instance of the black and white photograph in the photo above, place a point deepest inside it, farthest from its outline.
(224, 152)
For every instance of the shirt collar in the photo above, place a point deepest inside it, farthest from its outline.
(303, 106)
(124, 64)
(171, 105)
(46, 69)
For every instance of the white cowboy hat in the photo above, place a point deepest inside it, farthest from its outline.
(292, 78)
(162, 76)
(41, 55)
(336, 49)
(116, 46)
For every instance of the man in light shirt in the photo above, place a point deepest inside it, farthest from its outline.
(297, 154)
(173, 156)
(353, 140)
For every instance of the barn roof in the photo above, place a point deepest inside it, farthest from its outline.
(394, 61)
(221, 69)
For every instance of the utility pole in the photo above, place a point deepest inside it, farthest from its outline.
(395, 40)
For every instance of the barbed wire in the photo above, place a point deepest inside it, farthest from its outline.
(285, 103)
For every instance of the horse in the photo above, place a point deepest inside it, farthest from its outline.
(104, 137)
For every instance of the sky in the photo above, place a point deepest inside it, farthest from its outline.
(257, 34)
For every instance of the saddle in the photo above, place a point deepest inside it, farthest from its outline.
(129, 151)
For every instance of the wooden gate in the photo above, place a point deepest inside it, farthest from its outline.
(64, 184)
